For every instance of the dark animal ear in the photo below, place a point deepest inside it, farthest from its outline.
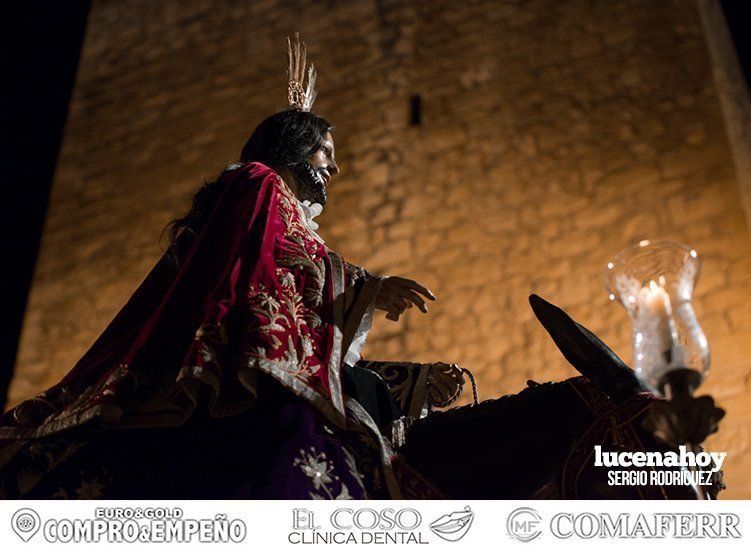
(586, 352)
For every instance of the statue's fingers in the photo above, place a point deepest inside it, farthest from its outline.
(414, 298)
(456, 371)
(442, 384)
(402, 303)
(419, 288)
(393, 311)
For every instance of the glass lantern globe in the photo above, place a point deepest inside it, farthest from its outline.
(655, 281)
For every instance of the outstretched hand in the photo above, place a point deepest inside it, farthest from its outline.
(399, 294)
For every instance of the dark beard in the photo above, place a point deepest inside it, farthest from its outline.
(314, 186)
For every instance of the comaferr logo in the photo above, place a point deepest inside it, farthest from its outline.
(524, 524)
(641, 525)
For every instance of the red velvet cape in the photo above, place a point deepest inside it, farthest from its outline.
(258, 292)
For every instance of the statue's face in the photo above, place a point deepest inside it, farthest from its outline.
(313, 177)
(323, 161)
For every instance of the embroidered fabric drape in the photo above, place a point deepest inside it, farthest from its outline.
(258, 291)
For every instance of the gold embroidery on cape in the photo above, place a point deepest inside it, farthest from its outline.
(320, 471)
(68, 404)
(301, 249)
(278, 316)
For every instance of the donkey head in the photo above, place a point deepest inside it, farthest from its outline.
(586, 352)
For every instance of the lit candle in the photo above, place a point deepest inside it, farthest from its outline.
(659, 306)
(656, 328)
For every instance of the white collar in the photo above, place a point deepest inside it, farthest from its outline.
(311, 211)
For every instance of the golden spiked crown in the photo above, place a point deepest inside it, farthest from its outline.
(300, 96)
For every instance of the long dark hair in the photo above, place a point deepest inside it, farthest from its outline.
(283, 139)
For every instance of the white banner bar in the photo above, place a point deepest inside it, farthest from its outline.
(272, 524)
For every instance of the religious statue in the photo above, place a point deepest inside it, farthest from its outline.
(234, 370)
